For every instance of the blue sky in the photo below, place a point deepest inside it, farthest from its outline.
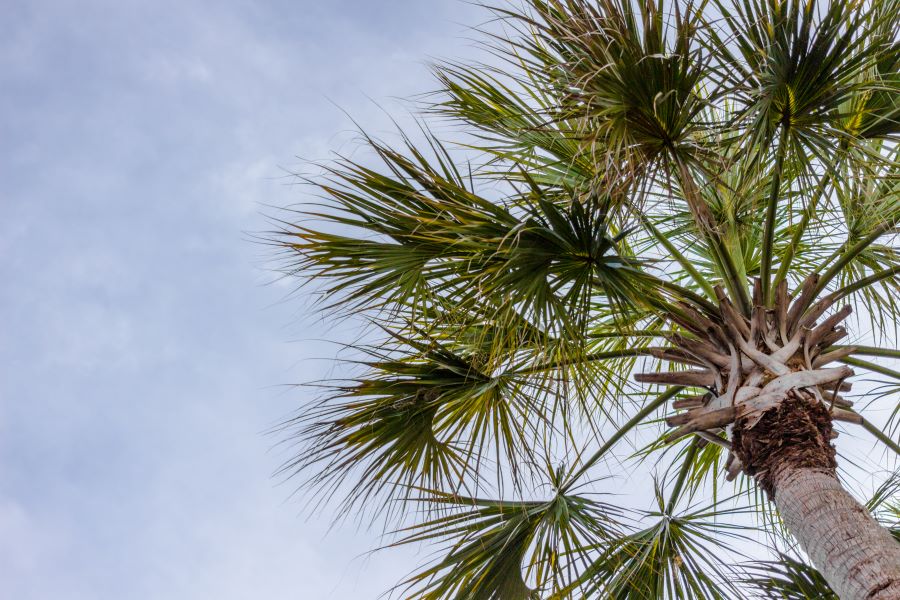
(142, 345)
(143, 341)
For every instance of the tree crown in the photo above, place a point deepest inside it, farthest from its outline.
(635, 172)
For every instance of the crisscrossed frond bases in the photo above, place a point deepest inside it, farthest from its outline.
(520, 550)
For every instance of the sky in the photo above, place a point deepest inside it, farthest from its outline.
(144, 344)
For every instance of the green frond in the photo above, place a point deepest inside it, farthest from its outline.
(500, 550)
(886, 495)
(419, 231)
(422, 415)
(649, 408)
(794, 64)
(625, 77)
(873, 111)
(883, 389)
(556, 260)
(870, 212)
(678, 557)
(787, 579)
(515, 123)
(391, 228)
(700, 464)
(885, 504)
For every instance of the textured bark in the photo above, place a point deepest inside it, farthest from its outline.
(767, 387)
(790, 454)
(859, 558)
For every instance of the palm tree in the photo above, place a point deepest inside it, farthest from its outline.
(664, 216)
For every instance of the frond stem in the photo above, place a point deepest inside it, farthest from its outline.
(682, 475)
(880, 436)
(870, 366)
(632, 333)
(844, 255)
(808, 212)
(707, 226)
(870, 351)
(771, 215)
(682, 260)
(595, 356)
(687, 294)
(620, 432)
(866, 281)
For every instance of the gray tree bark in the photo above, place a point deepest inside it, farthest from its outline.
(859, 558)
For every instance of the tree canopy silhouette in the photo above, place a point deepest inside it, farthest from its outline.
(667, 213)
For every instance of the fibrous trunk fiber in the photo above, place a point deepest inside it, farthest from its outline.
(789, 453)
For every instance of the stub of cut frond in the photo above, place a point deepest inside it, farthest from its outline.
(751, 365)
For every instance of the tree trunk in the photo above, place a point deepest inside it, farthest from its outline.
(790, 454)
(859, 558)
(767, 383)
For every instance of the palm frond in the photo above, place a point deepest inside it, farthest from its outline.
(794, 64)
(788, 579)
(498, 550)
(420, 231)
(422, 415)
(675, 558)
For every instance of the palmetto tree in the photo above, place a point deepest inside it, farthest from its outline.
(667, 211)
